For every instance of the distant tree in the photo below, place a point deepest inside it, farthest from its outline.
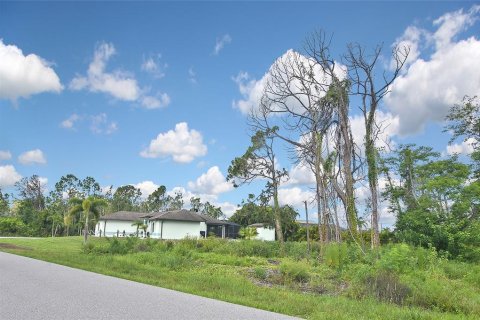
(90, 208)
(260, 162)
(156, 201)
(196, 204)
(90, 187)
(126, 198)
(4, 203)
(32, 189)
(175, 202)
(464, 121)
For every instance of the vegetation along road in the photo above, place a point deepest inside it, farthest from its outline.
(33, 289)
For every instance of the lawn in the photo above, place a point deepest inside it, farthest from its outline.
(397, 282)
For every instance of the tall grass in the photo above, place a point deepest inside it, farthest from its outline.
(396, 281)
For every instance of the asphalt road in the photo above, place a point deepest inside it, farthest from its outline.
(33, 289)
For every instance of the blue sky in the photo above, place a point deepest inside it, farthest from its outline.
(149, 93)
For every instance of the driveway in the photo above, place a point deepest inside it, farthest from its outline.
(34, 289)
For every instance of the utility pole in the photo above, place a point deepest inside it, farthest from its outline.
(308, 229)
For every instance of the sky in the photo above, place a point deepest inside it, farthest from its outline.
(156, 93)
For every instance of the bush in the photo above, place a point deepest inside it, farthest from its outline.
(294, 271)
(336, 255)
(386, 287)
(260, 273)
(11, 226)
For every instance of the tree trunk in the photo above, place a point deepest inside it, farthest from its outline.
(276, 213)
(372, 181)
(85, 231)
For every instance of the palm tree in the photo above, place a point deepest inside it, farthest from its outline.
(89, 207)
(248, 233)
(139, 224)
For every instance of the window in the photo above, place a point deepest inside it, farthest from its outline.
(153, 227)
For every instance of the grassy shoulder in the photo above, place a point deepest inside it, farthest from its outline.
(398, 282)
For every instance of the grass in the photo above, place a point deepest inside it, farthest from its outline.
(398, 282)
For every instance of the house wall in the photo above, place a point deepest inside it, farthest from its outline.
(110, 228)
(265, 234)
(179, 229)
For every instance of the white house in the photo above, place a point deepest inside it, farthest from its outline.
(264, 232)
(177, 224)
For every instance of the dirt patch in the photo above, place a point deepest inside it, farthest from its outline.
(12, 246)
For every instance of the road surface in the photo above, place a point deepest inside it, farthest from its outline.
(34, 289)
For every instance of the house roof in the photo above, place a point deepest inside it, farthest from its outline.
(178, 215)
(124, 216)
(175, 215)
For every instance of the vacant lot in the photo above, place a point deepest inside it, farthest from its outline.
(398, 282)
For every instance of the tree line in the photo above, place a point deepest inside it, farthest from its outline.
(307, 104)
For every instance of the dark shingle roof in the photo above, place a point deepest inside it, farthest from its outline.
(124, 216)
(178, 215)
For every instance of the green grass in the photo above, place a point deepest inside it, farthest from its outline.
(345, 286)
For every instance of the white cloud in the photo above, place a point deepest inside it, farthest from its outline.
(294, 196)
(465, 147)
(411, 39)
(152, 65)
(32, 157)
(8, 176)
(451, 24)
(430, 87)
(22, 76)
(43, 181)
(221, 42)
(101, 125)
(118, 84)
(69, 123)
(5, 155)
(182, 144)
(389, 127)
(300, 174)
(146, 187)
(292, 63)
(228, 208)
(211, 182)
(155, 102)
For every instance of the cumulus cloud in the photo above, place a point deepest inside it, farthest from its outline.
(146, 187)
(182, 144)
(300, 174)
(294, 196)
(221, 42)
(389, 127)
(465, 147)
(8, 176)
(118, 84)
(293, 63)
(101, 125)
(211, 182)
(430, 87)
(5, 155)
(23, 76)
(32, 157)
(69, 123)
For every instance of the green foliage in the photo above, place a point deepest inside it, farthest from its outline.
(335, 255)
(260, 273)
(11, 226)
(247, 233)
(294, 271)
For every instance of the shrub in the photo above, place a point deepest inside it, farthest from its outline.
(385, 286)
(294, 271)
(11, 226)
(260, 273)
(397, 258)
(335, 255)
